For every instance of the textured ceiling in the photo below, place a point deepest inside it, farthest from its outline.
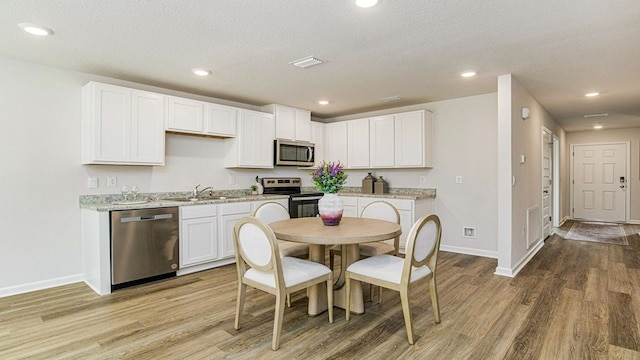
(415, 49)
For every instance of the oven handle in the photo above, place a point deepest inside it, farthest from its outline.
(304, 198)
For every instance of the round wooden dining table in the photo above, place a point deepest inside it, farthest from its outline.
(349, 234)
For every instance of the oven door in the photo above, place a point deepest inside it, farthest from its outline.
(304, 205)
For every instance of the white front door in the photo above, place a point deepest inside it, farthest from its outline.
(600, 181)
(546, 182)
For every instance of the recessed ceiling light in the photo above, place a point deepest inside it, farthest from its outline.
(323, 102)
(36, 29)
(201, 72)
(597, 126)
(468, 73)
(592, 94)
(366, 3)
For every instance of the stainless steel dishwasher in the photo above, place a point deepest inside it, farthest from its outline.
(144, 244)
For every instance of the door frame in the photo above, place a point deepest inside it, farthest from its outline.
(627, 198)
(555, 213)
(551, 179)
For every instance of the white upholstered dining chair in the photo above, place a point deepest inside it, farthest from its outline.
(272, 211)
(380, 210)
(400, 274)
(260, 266)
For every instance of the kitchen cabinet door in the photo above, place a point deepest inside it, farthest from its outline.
(291, 123)
(358, 144)
(318, 138)
(336, 142)
(229, 215)
(221, 120)
(253, 146)
(198, 235)
(413, 139)
(303, 125)
(185, 115)
(382, 141)
(122, 126)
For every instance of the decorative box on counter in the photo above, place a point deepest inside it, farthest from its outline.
(381, 186)
(367, 184)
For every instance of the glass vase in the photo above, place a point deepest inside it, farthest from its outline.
(330, 208)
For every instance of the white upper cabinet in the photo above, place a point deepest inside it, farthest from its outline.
(186, 115)
(291, 123)
(253, 146)
(122, 126)
(358, 143)
(202, 118)
(382, 141)
(336, 142)
(221, 120)
(413, 131)
(317, 137)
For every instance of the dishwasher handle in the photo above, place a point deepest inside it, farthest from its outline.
(146, 218)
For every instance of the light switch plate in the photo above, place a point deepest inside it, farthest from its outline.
(92, 183)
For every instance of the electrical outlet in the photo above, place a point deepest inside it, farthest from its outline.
(232, 180)
(423, 180)
(458, 179)
(92, 183)
(112, 181)
(469, 232)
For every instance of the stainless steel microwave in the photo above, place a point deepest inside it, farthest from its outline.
(294, 153)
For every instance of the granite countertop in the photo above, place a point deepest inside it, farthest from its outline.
(109, 202)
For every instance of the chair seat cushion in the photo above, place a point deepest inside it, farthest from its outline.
(387, 268)
(288, 248)
(296, 271)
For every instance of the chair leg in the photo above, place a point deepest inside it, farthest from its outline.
(239, 304)
(288, 300)
(347, 303)
(277, 321)
(434, 299)
(331, 255)
(330, 299)
(406, 311)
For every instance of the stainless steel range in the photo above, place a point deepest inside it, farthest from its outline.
(300, 204)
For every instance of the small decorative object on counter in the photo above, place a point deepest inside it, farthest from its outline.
(254, 189)
(259, 187)
(329, 178)
(381, 186)
(367, 184)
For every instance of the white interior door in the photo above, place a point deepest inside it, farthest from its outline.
(600, 181)
(547, 189)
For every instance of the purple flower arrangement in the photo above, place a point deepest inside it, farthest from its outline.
(329, 177)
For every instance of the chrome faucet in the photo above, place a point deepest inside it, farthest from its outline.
(197, 192)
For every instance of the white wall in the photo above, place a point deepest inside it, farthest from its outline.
(465, 143)
(520, 137)
(40, 111)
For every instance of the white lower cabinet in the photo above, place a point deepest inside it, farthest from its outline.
(229, 214)
(198, 234)
(410, 211)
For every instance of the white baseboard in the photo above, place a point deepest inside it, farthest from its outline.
(469, 251)
(503, 271)
(40, 285)
(635, 222)
(564, 220)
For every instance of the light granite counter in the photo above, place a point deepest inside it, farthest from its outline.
(394, 193)
(110, 202)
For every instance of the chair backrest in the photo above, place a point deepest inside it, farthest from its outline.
(423, 243)
(271, 211)
(381, 210)
(256, 245)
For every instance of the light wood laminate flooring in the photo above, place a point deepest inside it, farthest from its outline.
(574, 300)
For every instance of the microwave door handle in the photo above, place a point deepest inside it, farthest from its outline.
(310, 153)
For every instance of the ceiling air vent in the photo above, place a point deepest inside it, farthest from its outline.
(390, 98)
(306, 62)
(595, 115)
